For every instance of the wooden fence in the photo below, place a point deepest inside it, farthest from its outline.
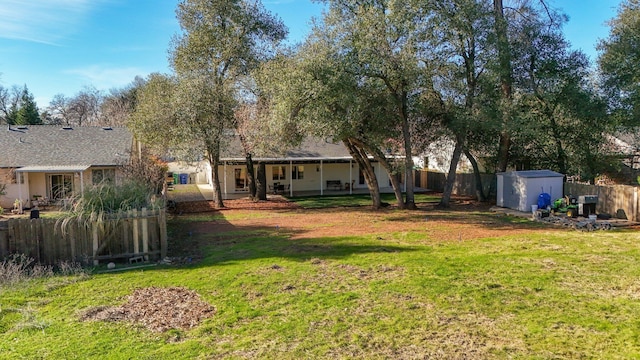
(136, 234)
(613, 200)
(465, 183)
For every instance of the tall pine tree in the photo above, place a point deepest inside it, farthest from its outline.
(27, 113)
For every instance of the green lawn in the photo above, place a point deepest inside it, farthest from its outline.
(550, 293)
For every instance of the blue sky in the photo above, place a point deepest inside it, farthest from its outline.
(59, 46)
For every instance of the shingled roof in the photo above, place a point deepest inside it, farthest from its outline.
(311, 149)
(56, 146)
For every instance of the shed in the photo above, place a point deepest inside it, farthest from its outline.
(519, 190)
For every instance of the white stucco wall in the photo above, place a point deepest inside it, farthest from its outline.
(315, 176)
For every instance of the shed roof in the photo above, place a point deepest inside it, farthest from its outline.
(532, 173)
(36, 146)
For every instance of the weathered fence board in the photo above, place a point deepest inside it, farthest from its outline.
(614, 199)
(45, 241)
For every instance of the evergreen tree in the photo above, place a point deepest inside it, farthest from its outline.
(27, 113)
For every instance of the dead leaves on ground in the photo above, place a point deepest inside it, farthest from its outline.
(157, 309)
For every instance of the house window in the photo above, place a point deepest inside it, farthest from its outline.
(361, 177)
(298, 172)
(240, 176)
(19, 178)
(279, 172)
(103, 175)
(14, 177)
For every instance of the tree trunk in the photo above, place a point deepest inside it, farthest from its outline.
(379, 156)
(480, 196)
(251, 179)
(410, 202)
(261, 182)
(369, 174)
(214, 159)
(504, 56)
(217, 191)
(445, 201)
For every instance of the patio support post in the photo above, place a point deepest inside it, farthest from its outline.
(225, 180)
(290, 178)
(350, 176)
(321, 170)
(18, 178)
(82, 182)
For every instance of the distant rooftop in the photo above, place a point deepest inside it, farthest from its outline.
(51, 145)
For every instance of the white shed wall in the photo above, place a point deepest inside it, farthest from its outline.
(519, 192)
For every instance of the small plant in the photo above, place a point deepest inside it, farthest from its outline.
(30, 321)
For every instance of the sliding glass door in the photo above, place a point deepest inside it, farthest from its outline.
(60, 186)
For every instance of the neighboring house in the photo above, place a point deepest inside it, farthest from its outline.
(53, 163)
(315, 166)
(626, 147)
(438, 155)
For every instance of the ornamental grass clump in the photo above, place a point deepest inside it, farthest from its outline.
(107, 203)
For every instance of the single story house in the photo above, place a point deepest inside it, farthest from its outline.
(316, 166)
(50, 163)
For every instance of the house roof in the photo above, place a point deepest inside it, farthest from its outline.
(625, 142)
(54, 147)
(311, 149)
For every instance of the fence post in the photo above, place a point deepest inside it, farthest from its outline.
(95, 244)
(134, 225)
(635, 204)
(145, 234)
(162, 222)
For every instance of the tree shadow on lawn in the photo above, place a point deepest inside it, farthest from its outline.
(190, 243)
(477, 216)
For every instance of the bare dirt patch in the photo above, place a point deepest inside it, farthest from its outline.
(273, 203)
(157, 309)
(463, 221)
